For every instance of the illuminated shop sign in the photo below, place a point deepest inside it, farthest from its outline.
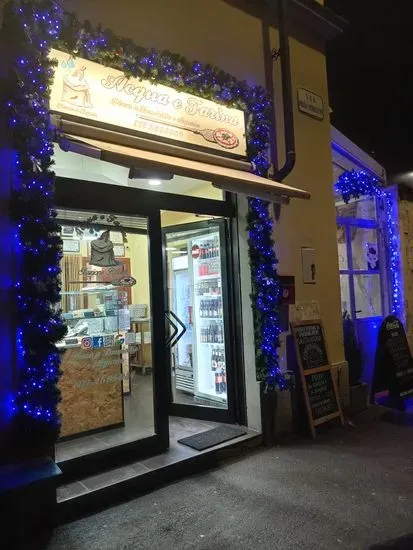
(88, 90)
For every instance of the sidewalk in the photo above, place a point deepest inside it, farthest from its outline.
(349, 489)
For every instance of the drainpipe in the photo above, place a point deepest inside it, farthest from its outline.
(284, 54)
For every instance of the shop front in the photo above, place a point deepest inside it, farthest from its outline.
(154, 288)
(147, 180)
(150, 281)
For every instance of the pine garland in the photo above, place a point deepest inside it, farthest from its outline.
(37, 242)
(34, 27)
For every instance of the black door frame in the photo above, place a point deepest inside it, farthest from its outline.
(198, 411)
(88, 195)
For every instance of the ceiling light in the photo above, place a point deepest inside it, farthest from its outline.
(154, 182)
(171, 248)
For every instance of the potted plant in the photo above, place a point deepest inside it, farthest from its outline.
(354, 357)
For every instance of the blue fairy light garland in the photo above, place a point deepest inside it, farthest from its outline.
(354, 184)
(30, 28)
(34, 27)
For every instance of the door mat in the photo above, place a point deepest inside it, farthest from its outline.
(210, 438)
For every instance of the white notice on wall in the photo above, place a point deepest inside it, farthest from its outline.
(130, 338)
(305, 311)
(124, 319)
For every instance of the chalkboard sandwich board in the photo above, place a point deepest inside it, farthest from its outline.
(310, 344)
(394, 364)
(319, 387)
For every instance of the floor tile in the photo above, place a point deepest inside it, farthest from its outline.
(174, 454)
(73, 448)
(72, 490)
(109, 478)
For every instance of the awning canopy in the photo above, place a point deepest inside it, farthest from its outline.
(222, 177)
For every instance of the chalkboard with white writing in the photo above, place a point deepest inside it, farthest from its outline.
(394, 363)
(319, 389)
(310, 343)
(321, 394)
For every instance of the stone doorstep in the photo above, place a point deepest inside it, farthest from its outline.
(90, 495)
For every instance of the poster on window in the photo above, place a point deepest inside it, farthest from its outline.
(372, 256)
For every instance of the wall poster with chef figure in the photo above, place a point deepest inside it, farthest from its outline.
(102, 251)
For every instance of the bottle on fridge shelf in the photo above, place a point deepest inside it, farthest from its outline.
(224, 382)
(217, 382)
(218, 385)
(214, 360)
(219, 360)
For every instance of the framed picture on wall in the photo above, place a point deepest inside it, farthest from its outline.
(71, 246)
(116, 237)
(67, 230)
(308, 260)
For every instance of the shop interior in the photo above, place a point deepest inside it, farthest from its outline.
(107, 369)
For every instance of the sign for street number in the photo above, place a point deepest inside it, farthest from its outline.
(310, 104)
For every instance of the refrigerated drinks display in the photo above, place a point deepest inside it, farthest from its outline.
(200, 306)
(182, 307)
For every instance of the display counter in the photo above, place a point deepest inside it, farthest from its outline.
(91, 389)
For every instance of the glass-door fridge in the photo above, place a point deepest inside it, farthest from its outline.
(196, 294)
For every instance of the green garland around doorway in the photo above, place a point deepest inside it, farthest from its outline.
(33, 27)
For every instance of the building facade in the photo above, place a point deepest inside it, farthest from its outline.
(154, 222)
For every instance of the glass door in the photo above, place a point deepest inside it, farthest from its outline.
(110, 398)
(197, 316)
(361, 261)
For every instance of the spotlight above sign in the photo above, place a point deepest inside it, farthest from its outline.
(91, 91)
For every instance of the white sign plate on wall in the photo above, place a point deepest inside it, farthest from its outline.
(89, 90)
(310, 103)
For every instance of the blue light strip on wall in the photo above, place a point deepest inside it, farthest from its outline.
(353, 185)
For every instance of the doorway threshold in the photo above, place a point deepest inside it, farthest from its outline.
(91, 494)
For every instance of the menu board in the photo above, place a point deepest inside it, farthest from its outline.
(309, 338)
(321, 395)
(319, 388)
(394, 363)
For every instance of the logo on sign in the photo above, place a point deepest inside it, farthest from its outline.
(86, 343)
(124, 281)
(196, 251)
(98, 341)
(109, 341)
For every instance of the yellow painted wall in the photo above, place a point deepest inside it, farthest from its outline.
(215, 32)
(137, 250)
(406, 233)
(311, 223)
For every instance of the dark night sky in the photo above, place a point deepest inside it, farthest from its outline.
(370, 70)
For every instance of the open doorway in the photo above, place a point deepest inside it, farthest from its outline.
(362, 263)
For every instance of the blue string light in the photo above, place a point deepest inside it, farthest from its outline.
(353, 185)
(31, 28)
(36, 26)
